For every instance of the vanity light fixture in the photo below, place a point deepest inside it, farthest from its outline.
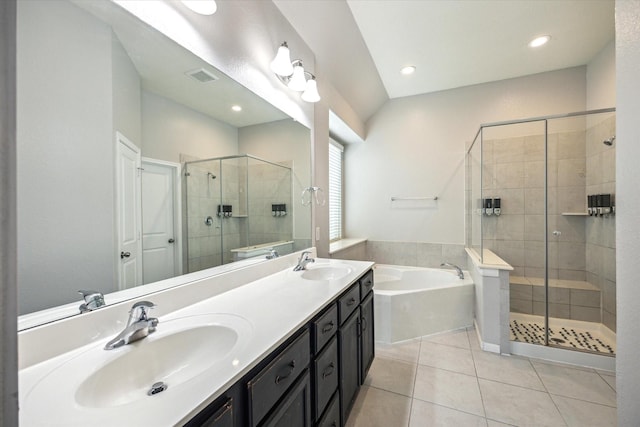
(539, 41)
(203, 7)
(293, 74)
(408, 70)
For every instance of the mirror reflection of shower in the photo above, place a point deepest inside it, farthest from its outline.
(238, 194)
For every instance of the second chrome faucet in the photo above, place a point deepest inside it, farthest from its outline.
(139, 326)
(305, 258)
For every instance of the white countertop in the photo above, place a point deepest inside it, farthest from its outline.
(275, 306)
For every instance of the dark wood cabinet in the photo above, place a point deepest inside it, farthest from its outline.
(313, 378)
(348, 339)
(295, 407)
(367, 337)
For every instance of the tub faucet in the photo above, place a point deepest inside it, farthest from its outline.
(92, 301)
(303, 261)
(138, 326)
(458, 269)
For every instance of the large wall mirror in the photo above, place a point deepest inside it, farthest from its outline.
(139, 162)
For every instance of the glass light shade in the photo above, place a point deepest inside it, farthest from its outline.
(298, 81)
(203, 7)
(281, 64)
(310, 93)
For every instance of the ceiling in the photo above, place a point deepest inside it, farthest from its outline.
(164, 66)
(361, 45)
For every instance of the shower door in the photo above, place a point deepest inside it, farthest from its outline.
(562, 288)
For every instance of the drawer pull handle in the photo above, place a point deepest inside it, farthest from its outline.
(329, 370)
(292, 366)
(351, 302)
(364, 323)
(328, 327)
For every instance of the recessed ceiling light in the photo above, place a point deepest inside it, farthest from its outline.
(408, 70)
(236, 108)
(203, 7)
(539, 41)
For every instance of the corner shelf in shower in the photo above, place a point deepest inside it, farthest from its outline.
(575, 214)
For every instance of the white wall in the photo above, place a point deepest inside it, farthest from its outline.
(628, 210)
(170, 129)
(64, 145)
(416, 145)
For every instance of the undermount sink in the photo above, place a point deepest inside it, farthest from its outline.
(326, 272)
(180, 351)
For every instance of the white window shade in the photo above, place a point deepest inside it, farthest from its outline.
(335, 190)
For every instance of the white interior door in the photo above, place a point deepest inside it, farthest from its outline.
(128, 208)
(159, 220)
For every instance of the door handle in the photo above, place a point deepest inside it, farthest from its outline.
(125, 255)
(171, 240)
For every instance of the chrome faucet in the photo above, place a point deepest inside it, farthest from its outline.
(272, 254)
(138, 326)
(92, 300)
(458, 269)
(303, 261)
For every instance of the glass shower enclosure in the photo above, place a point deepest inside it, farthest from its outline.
(238, 207)
(540, 194)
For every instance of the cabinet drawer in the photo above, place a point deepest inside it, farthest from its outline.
(348, 303)
(324, 328)
(331, 418)
(366, 284)
(266, 388)
(326, 376)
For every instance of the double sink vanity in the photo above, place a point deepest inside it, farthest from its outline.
(263, 345)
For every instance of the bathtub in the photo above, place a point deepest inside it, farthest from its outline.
(411, 302)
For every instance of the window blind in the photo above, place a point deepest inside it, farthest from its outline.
(335, 190)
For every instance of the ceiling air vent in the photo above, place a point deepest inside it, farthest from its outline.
(202, 75)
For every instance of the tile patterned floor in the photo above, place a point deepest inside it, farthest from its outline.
(446, 380)
(533, 332)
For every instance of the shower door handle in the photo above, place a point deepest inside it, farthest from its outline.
(124, 255)
(171, 240)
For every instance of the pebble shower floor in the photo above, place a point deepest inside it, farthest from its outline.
(566, 336)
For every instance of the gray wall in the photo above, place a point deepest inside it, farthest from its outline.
(8, 298)
(170, 129)
(628, 212)
(66, 145)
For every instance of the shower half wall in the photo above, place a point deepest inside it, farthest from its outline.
(233, 204)
(562, 288)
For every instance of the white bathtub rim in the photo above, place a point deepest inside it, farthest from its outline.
(396, 276)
